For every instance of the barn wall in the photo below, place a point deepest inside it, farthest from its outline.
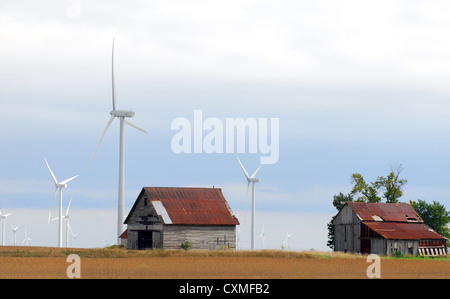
(201, 237)
(378, 246)
(403, 246)
(347, 231)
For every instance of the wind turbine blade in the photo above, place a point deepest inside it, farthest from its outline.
(7, 215)
(68, 207)
(134, 126)
(70, 229)
(256, 171)
(113, 80)
(51, 207)
(68, 180)
(243, 169)
(101, 138)
(53, 176)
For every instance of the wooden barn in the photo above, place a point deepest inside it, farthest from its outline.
(385, 228)
(166, 217)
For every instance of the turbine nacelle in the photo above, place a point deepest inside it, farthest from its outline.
(253, 180)
(122, 113)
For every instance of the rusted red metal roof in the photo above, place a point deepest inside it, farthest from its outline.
(396, 212)
(403, 230)
(193, 206)
(124, 235)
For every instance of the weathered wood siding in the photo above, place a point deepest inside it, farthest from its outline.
(403, 246)
(201, 237)
(347, 231)
(144, 218)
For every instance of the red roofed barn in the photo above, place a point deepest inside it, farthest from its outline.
(165, 217)
(384, 228)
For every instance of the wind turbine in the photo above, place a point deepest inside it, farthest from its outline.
(262, 236)
(288, 239)
(121, 115)
(66, 217)
(60, 186)
(3, 219)
(14, 232)
(26, 239)
(74, 236)
(251, 179)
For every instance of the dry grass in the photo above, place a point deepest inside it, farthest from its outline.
(40, 262)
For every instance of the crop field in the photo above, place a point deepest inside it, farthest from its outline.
(111, 263)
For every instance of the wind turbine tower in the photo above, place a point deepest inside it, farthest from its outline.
(121, 115)
(253, 180)
(3, 220)
(66, 217)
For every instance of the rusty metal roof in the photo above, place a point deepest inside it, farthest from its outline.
(396, 212)
(192, 206)
(403, 230)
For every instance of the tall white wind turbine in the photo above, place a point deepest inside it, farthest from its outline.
(121, 115)
(3, 220)
(14, 232)
(60, 186)
(253, 180)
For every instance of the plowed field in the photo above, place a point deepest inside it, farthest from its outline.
(29, 262)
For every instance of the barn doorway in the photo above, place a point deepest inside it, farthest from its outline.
(145, 239)
(365, 246)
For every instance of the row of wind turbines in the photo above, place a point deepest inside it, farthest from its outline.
(25, 241)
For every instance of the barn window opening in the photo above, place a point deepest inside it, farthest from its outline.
(411, 219)
(145, 201)
(377, 218)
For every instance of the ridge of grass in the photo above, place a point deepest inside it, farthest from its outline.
(121, 252)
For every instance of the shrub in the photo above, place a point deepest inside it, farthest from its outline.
(186, 245)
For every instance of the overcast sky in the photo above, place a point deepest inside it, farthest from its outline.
(357, 86)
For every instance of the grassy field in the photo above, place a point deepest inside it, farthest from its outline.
(110, 263)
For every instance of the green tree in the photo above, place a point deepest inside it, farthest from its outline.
(364, 191)
(391, 185)
(434, 215)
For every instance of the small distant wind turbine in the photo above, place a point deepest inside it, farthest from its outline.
(262, 236)
(74, 236)
(60, 186)
(3, 220)
(121, 115)
(288, 238)
(27, 239)
(251, 179)
(14, 233)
